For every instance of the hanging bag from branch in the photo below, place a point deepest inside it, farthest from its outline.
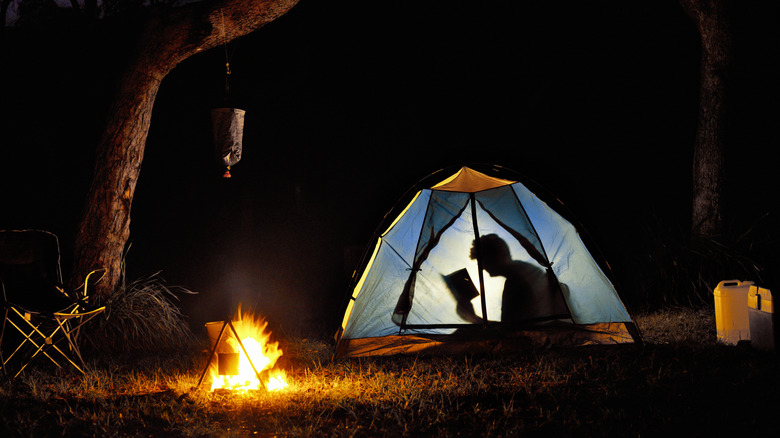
(228, 126)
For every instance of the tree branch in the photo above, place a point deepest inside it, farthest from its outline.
(168, 37)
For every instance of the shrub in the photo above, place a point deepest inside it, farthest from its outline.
(678, 269)
(139, 317)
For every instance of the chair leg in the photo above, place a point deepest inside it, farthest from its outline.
(43, 348)
(53, 344)
(2, 334)
(28, 338)
(39, 348)
(71, 343)
(45, 337)
(71, 329)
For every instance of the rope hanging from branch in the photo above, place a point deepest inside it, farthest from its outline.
(227, 56)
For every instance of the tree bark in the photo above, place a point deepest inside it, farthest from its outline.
(167, 38)
(708, 156)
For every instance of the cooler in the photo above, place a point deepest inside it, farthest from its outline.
(760, 314)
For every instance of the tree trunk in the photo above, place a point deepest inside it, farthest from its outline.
(166, 39)
(708, 155)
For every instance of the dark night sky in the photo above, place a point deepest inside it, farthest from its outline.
(350, 103)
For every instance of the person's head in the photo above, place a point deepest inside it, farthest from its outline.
(494, 253)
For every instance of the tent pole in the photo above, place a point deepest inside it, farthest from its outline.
(477, 246)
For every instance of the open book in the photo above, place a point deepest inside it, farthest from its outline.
(461, 286)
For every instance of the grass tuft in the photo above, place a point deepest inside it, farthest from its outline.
(679, 270)
(139, 317)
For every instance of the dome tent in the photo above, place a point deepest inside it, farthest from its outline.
(424, 286)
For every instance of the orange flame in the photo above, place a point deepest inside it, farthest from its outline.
(263, 353)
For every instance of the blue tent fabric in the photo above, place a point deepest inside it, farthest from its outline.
(403, 290)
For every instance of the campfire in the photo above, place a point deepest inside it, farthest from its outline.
(245, 362)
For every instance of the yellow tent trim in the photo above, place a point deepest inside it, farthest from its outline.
(469, 180)
(553, 334)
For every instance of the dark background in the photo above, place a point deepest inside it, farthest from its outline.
(350, 103)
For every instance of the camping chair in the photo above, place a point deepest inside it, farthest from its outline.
(40, 315)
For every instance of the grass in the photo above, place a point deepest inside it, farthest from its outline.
(682, 380)
(674, 268)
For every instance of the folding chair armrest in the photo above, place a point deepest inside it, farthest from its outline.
(84, 296)
(79, 314)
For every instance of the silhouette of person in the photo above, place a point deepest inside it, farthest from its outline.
(529, 292)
